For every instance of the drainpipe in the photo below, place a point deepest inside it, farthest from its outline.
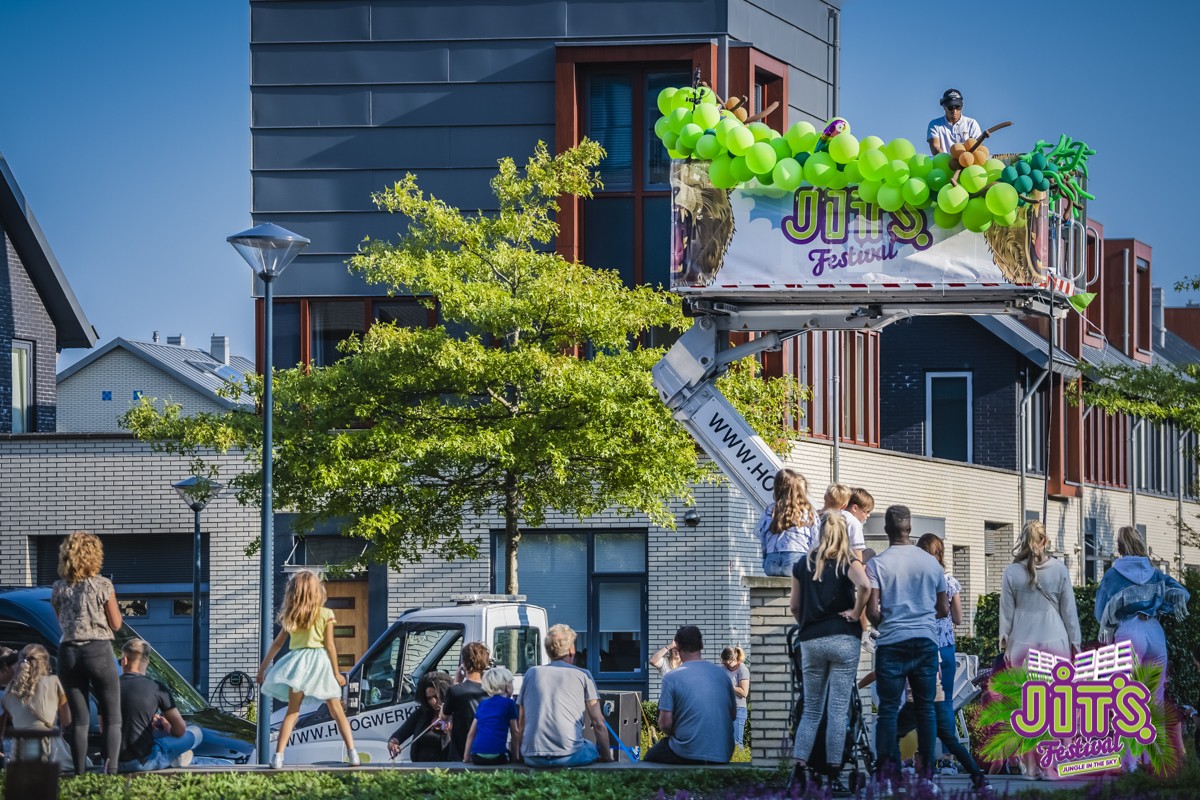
(723, 65)
(1023, 453)
(1133, 438)
(1181, 440)
(836, 412)
(1082, 486)
(835, 19)
(1125, 301)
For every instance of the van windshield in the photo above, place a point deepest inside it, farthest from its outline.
(187, 699)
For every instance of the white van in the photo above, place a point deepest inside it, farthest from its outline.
(386, 677)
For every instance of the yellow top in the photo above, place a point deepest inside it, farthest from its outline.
(314, 636)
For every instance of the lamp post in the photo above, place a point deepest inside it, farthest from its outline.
(197, 492)
(267, 248)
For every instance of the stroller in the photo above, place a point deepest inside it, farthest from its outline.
(857, 755)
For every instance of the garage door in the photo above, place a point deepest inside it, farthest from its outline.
(152, 575)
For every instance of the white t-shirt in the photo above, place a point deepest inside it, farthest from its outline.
(947, 134)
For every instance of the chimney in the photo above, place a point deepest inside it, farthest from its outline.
(176, 340)
(154, 337)
(219, 348)
(1157, 317)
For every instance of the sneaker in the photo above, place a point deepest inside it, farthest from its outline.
(926, 787)
(979, 783)
(277, 761)
(184, 759)
(355, 761)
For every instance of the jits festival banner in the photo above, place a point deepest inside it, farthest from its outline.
(766, 240)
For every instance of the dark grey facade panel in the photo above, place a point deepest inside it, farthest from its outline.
(649, 18)
(464, 104)
(393, 148)
(811, 16)
(320, 276)
(805, 91)
(468, 19)
(804, 47)
(798, 115)
(401, 62)
(343, 190)
(332, 20)
(337, 233)
(310, 106)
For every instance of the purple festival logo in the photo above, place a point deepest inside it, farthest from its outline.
(866, 232)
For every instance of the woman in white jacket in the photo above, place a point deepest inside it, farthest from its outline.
(1037, 601)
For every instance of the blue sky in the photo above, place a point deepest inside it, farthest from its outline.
(126, 125)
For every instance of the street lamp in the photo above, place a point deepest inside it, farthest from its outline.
(267, 248)
(197, 492)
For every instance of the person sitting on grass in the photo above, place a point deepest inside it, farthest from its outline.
(153, 733)
(695, 708)
(495, 719)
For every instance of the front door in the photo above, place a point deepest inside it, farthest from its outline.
(348, 601)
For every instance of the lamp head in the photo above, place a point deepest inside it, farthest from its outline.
(268, 248)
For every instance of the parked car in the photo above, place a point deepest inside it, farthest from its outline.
(26, 617)
(382, 685)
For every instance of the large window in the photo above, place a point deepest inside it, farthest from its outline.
(308, 331)
(22, 387)
(594, 582)
(948, 415)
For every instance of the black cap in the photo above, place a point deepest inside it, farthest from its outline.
(952, 98)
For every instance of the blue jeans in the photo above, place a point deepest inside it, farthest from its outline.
(739, 726)
(915, 662)
(947, 729)
(779, 565)
(166, 749)
(583, 756)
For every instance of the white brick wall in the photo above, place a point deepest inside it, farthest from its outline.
(81, 409)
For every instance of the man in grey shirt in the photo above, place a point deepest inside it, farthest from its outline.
(908, 591)
(554, 699)
(695, 708)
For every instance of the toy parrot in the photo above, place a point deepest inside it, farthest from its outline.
(836, 126)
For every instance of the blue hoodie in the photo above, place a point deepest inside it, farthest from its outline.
(1134, 586)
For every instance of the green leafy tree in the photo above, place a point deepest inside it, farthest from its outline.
(534, 396)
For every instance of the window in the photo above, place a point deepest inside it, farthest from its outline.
(596, 583)
(517, 648)
(331, 322)
(1036, 421)
(285, 335)
(948, 415)
(961, 561)
(22, 387)
(997, 553)
(309, 331)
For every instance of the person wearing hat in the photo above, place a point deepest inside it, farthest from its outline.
(953, 128)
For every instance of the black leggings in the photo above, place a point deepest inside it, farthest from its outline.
(90, 668)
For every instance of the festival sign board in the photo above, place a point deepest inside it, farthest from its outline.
(821, 243)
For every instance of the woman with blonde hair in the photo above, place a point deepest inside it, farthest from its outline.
(829, 594)
(35, 700)
(788, 527)
(87, 611)
(1037, 601)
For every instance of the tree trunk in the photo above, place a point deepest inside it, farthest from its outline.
(512, 533)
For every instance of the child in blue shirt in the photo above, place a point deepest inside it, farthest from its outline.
(495, 720)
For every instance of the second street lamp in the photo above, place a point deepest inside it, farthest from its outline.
(197, 492)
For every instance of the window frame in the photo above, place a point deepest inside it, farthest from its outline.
(29, 412)
(930, 377)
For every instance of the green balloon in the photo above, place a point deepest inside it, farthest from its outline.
(837, 180)
(1023, 184)
(706, 116)
(889, 197)
(670, 140)
(895, 173)
(920, 165)
(952, 199)
(871, 164)
(869, 190)
(1001, 198)
(707, 96)
(942, 161)
(817, 169)
(1009, 174)
(723, 128)
(899, 149)
(976, 217)
(915, 192)
(787, 174)
(666, 100)
(802, 137)
(708, 147)
(936, 179)
(760, 158)
(762, 131)
(944, 220)
(741, 170)
(1044, 186)
(739, 140)
(678, 118)
(1007, 220)
(973, 178)
(781, 147)
(844, 148)
(681, 148)
(1038, 161)
(719, 172)
(1036, 176)
(676, 155)
(853, 173)
(995, 168)
(1022, 167)
(662, 126)
(765, 179)
(690, 134)
(870, 143)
